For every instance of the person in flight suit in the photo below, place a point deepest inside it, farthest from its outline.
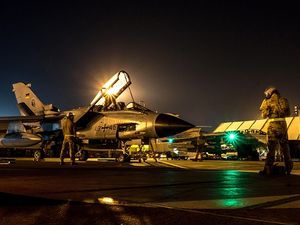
(69, 133)
(276, 108)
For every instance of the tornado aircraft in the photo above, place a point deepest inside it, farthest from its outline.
(104, 123)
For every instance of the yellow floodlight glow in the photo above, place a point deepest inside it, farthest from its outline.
(114, 86)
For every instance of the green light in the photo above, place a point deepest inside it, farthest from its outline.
(170, 140)
(232, 203)
(232, 136)
(232, 190)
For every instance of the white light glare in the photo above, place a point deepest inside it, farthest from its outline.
(107, 200)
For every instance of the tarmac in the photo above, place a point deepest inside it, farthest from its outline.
(163, 192)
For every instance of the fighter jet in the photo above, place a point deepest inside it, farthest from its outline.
(105, 123)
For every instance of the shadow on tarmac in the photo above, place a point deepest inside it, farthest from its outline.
(18, 209)
(142, 185)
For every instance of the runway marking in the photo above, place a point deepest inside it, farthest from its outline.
(295, 172)
(270, 202)
(156, 205)
(232, 203)
(210, 167)
(289, 205)
(139, 164)
(248, 171)
(276, 203)
(174, 165)
(218, 214)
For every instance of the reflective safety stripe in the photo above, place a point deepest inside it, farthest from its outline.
(69, 135)
(276, 119)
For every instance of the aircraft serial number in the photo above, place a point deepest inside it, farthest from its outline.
(106, 127)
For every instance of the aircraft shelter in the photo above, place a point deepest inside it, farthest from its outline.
(260, 127)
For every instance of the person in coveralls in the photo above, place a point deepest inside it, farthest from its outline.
(275, 108)
(69, 133)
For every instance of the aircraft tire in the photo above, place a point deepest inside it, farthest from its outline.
(127, 158)
(123, 158)
(120, 158)
(84, 155)
(38, 155)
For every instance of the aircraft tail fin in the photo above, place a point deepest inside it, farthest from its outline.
(29, 104)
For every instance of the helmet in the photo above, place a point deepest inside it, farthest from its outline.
(70, 114)
(269, 91)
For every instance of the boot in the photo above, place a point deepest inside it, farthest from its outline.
(73, 163)
(262, 172)
(289, 168)
(62, 163)
(267, 171)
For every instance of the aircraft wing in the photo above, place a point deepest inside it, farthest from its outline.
(5, 121)
(24, 119)
(30, 119)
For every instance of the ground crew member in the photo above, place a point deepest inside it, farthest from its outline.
(276, 108)
(69, 133)
(200, 146)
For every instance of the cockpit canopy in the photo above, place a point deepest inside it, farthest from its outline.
(137, 107)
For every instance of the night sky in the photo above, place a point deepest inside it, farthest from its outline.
(208, 62)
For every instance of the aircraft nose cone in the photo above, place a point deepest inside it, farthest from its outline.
(167, 125)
